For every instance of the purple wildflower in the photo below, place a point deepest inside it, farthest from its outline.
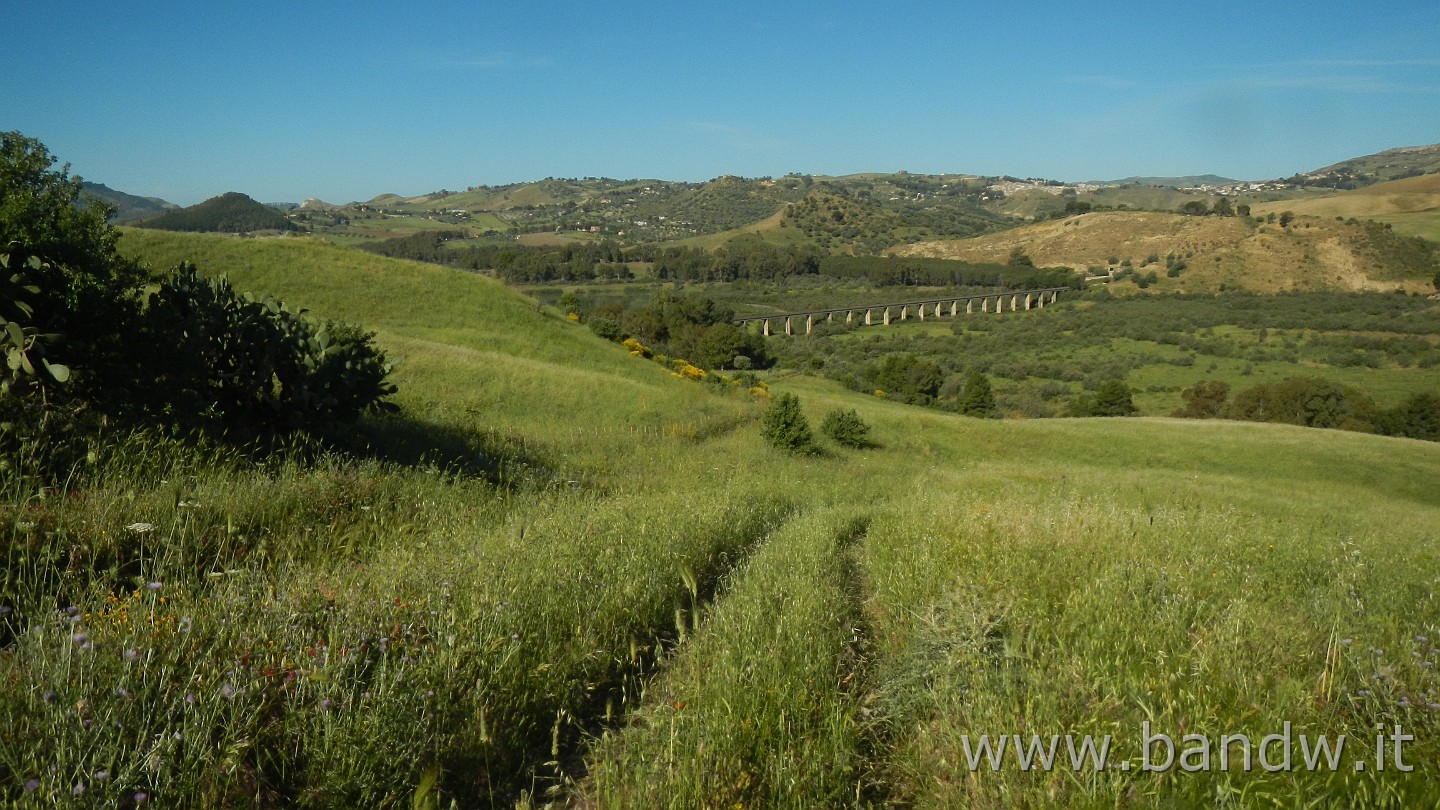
(78, 790)
(132, 654)
(228, 690)
(154, 586)
(140, 797)
(32, 785)
(79, 638)
(102, 775)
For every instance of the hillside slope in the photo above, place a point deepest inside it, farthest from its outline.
(1312, 253)
(231, 212)
(685, 616)
(1411, 206)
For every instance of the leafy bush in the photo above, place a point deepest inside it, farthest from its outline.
(1204, 400)
(1307, 401)
(1416, 418)
(225, 360)
(784, 425)
(977, 398)
(847, 428)
(1113, 399)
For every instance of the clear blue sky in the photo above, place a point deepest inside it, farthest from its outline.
(344, 101)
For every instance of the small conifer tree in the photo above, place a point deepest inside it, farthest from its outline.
(846, 427)
(784, 425)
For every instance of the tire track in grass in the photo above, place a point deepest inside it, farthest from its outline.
(759, 709)
(700, 582)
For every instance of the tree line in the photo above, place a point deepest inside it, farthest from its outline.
(740, 259)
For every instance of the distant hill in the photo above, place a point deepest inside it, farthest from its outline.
(1191, 181)
(128, 207)
(229, 213)
(1410, 206)
(1392, 164)
(1213, 252)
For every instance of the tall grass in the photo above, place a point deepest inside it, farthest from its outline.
(637, 603)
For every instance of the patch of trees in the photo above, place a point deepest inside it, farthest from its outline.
(1404, 256)
(516, 264)
(1059, 363)
(229, 213)
(836, 217)
(1220, 207)
(192, 355)
(683, 325)
(1314, 402)
(755, 260)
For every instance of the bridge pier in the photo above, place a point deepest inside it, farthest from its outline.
(1033, 299)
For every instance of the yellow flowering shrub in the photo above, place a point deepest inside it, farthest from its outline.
(635, 347)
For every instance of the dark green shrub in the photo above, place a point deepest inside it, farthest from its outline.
(1308, 401)
(1113, 399)
(1204, 400)
(847, 428)
(784, 425)
(977, 398)
(217, 359)
(1416, 418)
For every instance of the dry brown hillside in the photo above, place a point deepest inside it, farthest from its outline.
(1312, 253)
(1411, 205)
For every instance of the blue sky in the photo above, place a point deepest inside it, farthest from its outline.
(345, 101)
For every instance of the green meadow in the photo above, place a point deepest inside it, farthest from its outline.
(565, 576)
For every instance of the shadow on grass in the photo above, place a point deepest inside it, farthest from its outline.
(504, 461)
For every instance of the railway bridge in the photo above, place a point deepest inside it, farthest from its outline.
(926, 307)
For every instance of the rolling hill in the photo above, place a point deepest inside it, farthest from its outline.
(1411, 205)
(650, 606)
(1391, 164)
(232, 212)
(128, 207)
(1218, 252)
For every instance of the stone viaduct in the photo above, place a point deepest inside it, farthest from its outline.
(929, 307)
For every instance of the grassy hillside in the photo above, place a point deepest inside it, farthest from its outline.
(1411, 206)
(651, 607)
(1219, 252)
